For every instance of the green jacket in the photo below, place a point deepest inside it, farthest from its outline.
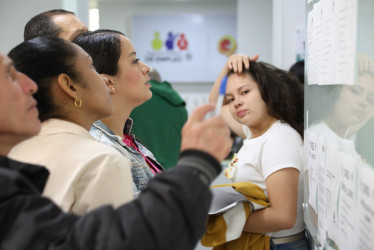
(158, 123)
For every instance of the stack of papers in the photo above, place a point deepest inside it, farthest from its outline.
(225, 198)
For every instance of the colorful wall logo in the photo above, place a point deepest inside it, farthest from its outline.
(172, 40)
(227, 45)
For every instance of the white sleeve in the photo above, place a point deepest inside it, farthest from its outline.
(282, 150)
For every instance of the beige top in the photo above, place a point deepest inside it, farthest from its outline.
(85, 174)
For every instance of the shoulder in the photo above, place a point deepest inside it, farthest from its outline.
(101, 150)
(285, 133)
(283, 142)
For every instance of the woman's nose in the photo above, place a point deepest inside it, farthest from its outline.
(146, 69)
(238, 103)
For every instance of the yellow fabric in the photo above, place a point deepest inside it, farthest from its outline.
(215, 234)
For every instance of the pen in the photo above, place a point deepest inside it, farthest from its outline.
(221, 96)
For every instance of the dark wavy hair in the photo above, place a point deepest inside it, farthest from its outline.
(104, 46)
(282, 93)
(43, 59)
(43, 25)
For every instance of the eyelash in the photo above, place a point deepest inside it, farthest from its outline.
(229, 100)
(137, 60)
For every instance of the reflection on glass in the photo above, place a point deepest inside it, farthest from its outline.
(342, 119)
(342, 110)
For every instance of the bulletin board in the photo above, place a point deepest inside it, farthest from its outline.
(339, 124)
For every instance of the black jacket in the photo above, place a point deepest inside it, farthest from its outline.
(169, 214)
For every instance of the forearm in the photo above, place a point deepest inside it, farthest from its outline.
(268, 220)
(282, 189)
(170, 213)
(213, 95)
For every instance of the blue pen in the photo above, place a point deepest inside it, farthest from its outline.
(221, 96)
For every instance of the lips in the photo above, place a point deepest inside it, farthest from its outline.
(33, 104)
(241, 113)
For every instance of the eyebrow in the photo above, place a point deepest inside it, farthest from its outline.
(239, 89)
(132, 53)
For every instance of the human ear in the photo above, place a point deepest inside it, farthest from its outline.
(111, 83)
(68, 86)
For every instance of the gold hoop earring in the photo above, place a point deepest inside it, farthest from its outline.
(78, 103)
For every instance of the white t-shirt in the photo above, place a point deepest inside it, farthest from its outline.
(279, 147)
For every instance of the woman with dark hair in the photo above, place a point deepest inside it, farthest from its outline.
(264, 105)
(71, 96)
(114, 57)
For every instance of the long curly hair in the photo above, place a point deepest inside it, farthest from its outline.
(282, 93)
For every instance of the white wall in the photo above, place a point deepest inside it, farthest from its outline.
(289, 17)
(118, 15)
(14, 14)
(79, 7)
(269, 28)
(255, 28)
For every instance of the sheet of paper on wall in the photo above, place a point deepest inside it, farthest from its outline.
(326, 42)
(312, 169)
(365, 208)
(332, 192)
(331, 42)
(311, 72)
(347, 201)
(321, 234)
(346, 31)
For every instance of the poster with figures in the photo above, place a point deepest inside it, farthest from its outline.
(185, 48)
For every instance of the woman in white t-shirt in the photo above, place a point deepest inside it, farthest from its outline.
(264, 105)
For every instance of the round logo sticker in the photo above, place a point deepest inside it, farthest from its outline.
(227, 45)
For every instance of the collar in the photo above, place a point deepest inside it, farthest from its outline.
(36, 174)
(126, 128)
(57, 126)
(104, 128)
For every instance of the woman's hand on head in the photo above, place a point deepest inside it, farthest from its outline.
(236, 61)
